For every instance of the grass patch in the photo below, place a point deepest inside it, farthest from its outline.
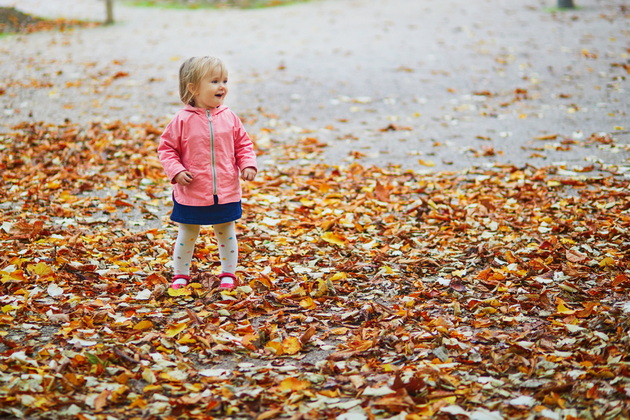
(562, 9)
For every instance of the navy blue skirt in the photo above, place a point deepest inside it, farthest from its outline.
(206, 215)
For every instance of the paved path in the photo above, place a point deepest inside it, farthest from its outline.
(450, 83)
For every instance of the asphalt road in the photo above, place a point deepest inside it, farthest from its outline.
(425, 84)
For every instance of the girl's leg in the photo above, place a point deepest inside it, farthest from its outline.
(228, 252)
(183, 253)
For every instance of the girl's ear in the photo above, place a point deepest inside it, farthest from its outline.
(192, 88)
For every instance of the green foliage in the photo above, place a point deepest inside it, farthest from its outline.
(562, 9)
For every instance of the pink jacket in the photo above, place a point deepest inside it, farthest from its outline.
(212, 145)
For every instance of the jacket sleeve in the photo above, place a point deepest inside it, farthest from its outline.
(169, 150)
(243, 147)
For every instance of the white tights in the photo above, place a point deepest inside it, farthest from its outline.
(185, 244)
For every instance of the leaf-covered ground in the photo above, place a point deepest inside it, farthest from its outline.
(13, 21)
(369, 293)
(243, 4)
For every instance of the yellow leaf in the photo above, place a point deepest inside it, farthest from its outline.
(293, 384)
(168, 377)
(308, 303)
(143, 325)
(307, 203)
(66, 197)
(151, 388)
(333, 239)
(173, 330)
(184, 291)
(41, 402)
(291, 345)
(563, 309)
(445, 400)
(322, 288)
(606, 262)
(8, 308)
(186, 339)
(194, 387)
(385, 270)
(389, 367)
(339, 276)
(41, 269)
(423, 162)
(53, 185)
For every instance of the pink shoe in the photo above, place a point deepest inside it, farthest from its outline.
(228, 284)
(179, 281)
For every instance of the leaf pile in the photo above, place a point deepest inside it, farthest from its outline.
(14, 21)
(369, 292)
(193, 4)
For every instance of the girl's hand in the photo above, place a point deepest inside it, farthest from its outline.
(183, 178)
(248, 174)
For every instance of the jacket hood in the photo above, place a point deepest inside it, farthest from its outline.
(213, 111)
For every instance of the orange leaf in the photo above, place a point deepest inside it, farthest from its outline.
(619, 279)
(589, 307)
(275, 347)
(138, 402)
(249, 341)
(294, 384)
(291, 345)
(381, 191)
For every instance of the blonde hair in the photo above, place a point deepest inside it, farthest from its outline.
(192, 71)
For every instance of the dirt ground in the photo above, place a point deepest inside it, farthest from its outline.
(426, 85)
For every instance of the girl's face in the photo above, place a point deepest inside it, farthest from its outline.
(211, 90)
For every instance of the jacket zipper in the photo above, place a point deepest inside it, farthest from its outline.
(212, 154)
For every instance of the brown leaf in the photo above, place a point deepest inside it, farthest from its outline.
(304, 338)
(575, 256)
(101, 401)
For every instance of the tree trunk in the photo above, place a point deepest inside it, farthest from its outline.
(109, 6)
(566, 4)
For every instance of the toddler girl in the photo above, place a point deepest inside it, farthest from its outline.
(204, 149)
